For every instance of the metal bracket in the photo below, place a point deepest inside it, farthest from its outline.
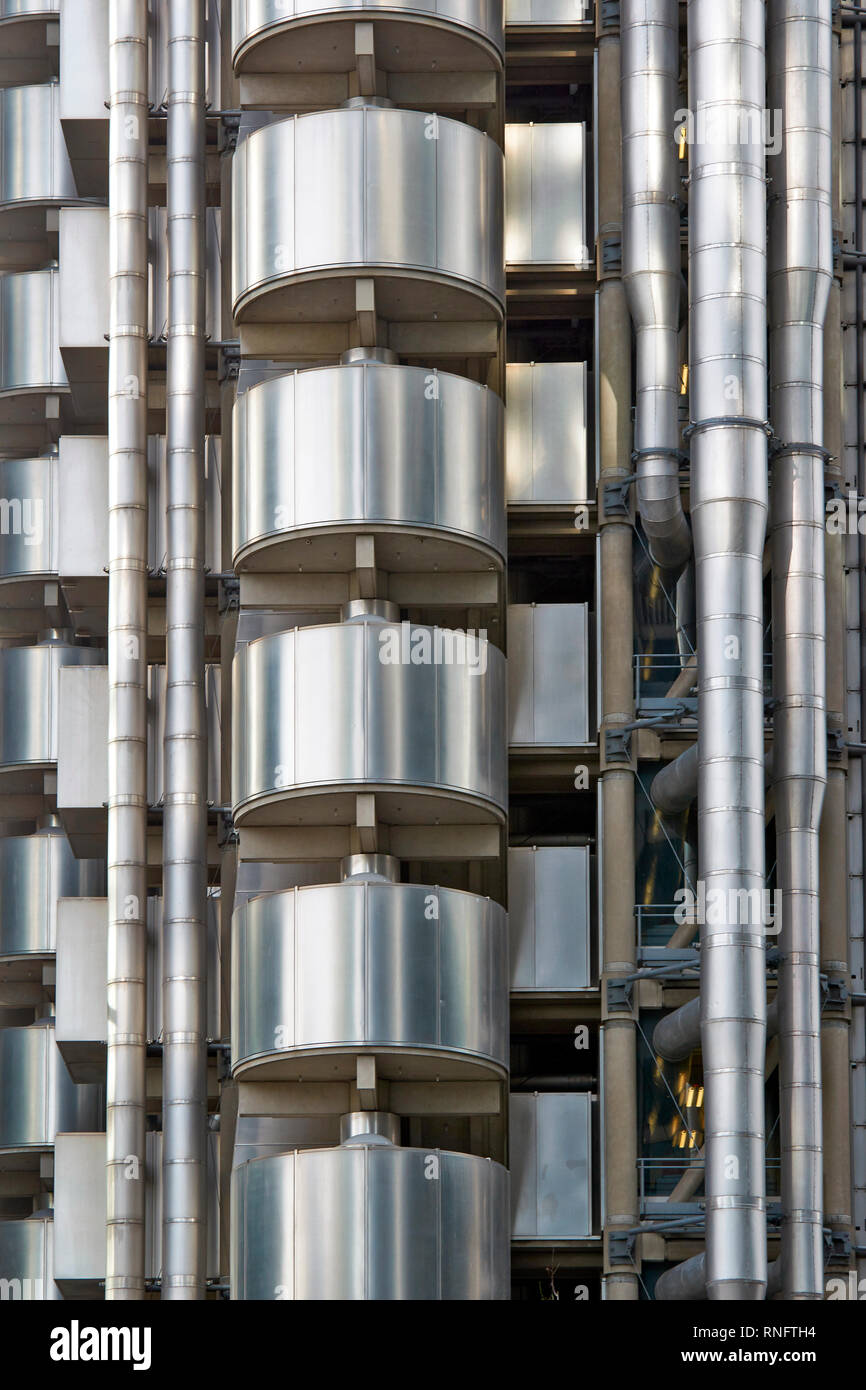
(230, 123)
(615, 496)
(837, 1248)
(609, 15)
(835, 745)
(617, 745)
(832, 490)
(834, 994)
(229, 362)
(611, 246)
(620, 995)
(621, 1247)
(226, 833)
(229, 592)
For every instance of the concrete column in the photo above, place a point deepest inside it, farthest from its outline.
(616, 627)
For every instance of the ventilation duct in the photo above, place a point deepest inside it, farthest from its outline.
(799, 42)
(651, 266)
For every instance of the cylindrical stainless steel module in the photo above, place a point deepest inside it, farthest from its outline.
(414, 974)
(367, 706)
(29, 695)
(370, 1222)
(35, 171)
(288, 35)
(410, 456)
(28, 523)
(30, 361)
(35, 872)
(38, 1097)
(27, 1259)
(410, 200)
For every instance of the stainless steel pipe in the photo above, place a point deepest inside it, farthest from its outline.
(728, 395)
(799, 57)
(127, 653)
(184, 1217)
(651, 265)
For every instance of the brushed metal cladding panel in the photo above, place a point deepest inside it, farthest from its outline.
(321, 707)
(29, 332)
(254, 21)
(551, 1179)
(548, 12)
(80, 1211)
(35, 872)
(29, 691)
(545, 195)
(545, 432)
(37, 1095)
(396, 451)
(28, 517)
(24, 9)
(548, 917)
(548, 674)
(355, 964)
(370, 1223)
(27, 1257)
(34, 164)
(368, 186)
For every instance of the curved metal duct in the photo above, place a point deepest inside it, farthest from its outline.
(688, 1281)
(728, 391)
(651, 265)
(127, 653)
(184, 1123)
(676, 1036)
(799, 39)
(674, 788)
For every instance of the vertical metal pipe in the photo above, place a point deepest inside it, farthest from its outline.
(858, 1013)
(127, 653)
(185, 819)
(800, 270)
(651, 265)
(728, 392)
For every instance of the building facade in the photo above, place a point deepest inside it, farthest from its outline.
(431, 652)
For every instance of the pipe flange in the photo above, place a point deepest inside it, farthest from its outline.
(738, 421)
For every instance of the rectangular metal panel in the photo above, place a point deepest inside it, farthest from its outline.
(335, 235)
(545, 203)
(548, 674)
(399, 192)
(549, 917)
(80, 1210)
(548, 12)
(545, 432)
(84, 288)
(551, 1166)
(84, 53)
(82, 761)
(82, 969)
(82, 945)
(83, 510)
